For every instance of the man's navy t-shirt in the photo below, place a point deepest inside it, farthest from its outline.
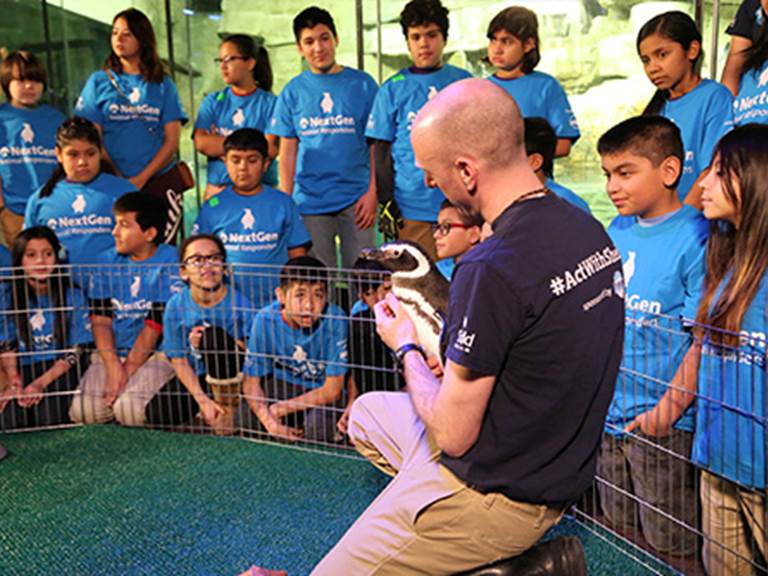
(539, 305)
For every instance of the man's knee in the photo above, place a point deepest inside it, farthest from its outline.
(363, 414)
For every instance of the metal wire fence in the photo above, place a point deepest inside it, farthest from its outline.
(681, 468)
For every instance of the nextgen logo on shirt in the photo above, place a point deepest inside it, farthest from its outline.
(31, 154)
(336, 124)
(133, 112)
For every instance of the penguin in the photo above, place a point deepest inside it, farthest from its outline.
(419, 286)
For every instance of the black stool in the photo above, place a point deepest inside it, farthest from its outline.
(562, 556)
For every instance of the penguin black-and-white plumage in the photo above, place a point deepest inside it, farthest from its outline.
(419, 286)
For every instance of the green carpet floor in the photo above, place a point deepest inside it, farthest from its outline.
(112, 501)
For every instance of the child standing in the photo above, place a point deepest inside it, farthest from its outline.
(28, 135)
(669, 46)
(76, 202)
(44, 334)
(540, 144)
(515, 50)
(297, 357)
(258, 224)
(425, 27)
(325, 161)
(127, 295)
(246, 102)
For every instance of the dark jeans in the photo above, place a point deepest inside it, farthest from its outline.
(656, 473)
(318, 423)
(173, 404)
(53, 409)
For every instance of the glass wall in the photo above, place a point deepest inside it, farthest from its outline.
(589, 45)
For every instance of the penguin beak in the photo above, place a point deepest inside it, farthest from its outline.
(373, 254)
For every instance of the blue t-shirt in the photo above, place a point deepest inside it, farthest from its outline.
(304, 357)
(704, 115)
(182, 314)
(132, 121)
(327, 113)
(567, 194)
(256, 229)
(397, 103)
(751, 104)
(27, 157)
(133, 288)
(42, 318)
(5, 257)
(223, 112)
(540, 95)
(446, 267)
(730, 437)
(80, 214)
(663, 274)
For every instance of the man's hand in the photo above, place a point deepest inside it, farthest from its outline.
(393, 323)
(365, 210)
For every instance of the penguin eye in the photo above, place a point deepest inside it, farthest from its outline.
(396, 252)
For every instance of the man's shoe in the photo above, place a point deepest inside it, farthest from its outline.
(559, 557)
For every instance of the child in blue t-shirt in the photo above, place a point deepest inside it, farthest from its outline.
(325, 161)
(669, 46)
(137, 108)
(44, 334)
(746, 70)
(27, 136)
(729, 358)
(540, 143)
(128, 293)
(456, 232)
(247, 102)
(204, 334)
(661, 242)
(425, 26)
(260, 226)
(76, 202)
(297, 358)
(514, 50)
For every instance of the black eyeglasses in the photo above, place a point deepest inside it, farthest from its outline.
(444, 228)
(200, 260)
(228, 59)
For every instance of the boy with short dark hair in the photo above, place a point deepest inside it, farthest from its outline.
(425, 26)
(258, 224)
(325, 161)
(456, 232)
(297, 357)
(662, 244)
(128, 297)
(540, 144)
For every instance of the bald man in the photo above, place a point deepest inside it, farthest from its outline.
(488, 459)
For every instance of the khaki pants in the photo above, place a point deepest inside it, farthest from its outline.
(733, 522)
(426, 521)
(129, 408)
(11, 224)
(420, 233)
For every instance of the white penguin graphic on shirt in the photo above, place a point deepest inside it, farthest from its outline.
(247, 220)
(327, 103)
(629, 267)
(432, 92)
(238, 118)
(135, 95)
(27, 134)
(37, 320)
(135, 286)
(763, 79)
(79, 204)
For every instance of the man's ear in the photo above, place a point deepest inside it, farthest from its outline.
(467, 170)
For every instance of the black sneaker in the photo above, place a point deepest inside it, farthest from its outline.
(559, 557)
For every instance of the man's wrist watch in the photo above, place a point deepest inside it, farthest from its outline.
(409, 347)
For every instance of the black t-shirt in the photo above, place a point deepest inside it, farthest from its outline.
(540, 305)
(748, 20)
